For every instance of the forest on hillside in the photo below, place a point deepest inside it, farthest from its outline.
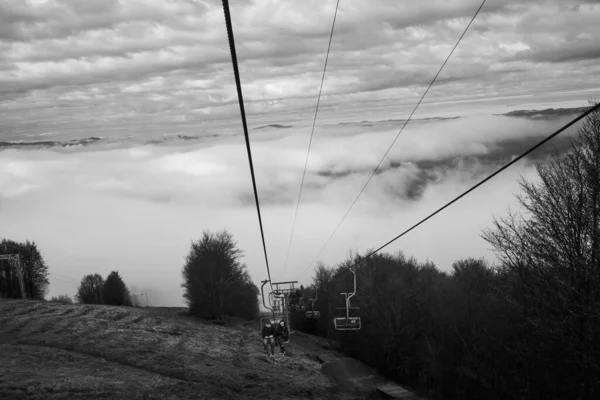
(527, 327)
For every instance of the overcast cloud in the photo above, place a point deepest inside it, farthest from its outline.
(67, 66)
(134, 71)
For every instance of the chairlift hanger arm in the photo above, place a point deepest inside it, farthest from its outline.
(263, 295)
(353, 293)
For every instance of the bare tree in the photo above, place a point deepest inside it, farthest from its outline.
(322, 277)
(551, 253)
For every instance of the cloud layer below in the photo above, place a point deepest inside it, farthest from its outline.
(136, 209)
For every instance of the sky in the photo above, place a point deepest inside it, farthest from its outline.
(121, 139)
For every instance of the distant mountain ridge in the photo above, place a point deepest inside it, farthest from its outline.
(52, 143)
(277, 126)
(549, 113)
(94, 140)
(368, 122)
(546, 113)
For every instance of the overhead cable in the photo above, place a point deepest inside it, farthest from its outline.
(243, 113)
(548, 138)
(311, 135)
(396, 138)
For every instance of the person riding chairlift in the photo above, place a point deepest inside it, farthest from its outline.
(283, 335)
(268, 333)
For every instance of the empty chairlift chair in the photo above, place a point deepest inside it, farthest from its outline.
(351, 322)
(279, 309)
(299, 304)
(311, 313)
(296, 302)
(299, 301)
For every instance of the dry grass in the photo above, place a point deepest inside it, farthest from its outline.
(60, 351)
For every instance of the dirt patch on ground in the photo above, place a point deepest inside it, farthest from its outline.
(56, 351)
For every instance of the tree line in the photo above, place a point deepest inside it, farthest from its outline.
(215, 281)
(94, 289)
(527, 326)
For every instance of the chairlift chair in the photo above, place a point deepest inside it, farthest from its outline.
(348, 323)
(311, 313)
(279, 307)
(299, 304)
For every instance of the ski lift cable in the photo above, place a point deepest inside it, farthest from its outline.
(396, 138)
(63, 278)
(311, 136)
(245, 126)
(535, 147)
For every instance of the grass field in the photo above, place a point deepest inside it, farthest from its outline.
(56, 351)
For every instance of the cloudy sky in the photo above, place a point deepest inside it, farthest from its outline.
(153, 80)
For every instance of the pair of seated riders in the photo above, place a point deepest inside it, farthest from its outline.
(275, 336)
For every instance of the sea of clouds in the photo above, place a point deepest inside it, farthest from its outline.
(136, 207)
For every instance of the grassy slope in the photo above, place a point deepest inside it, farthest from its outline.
(55, 351)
